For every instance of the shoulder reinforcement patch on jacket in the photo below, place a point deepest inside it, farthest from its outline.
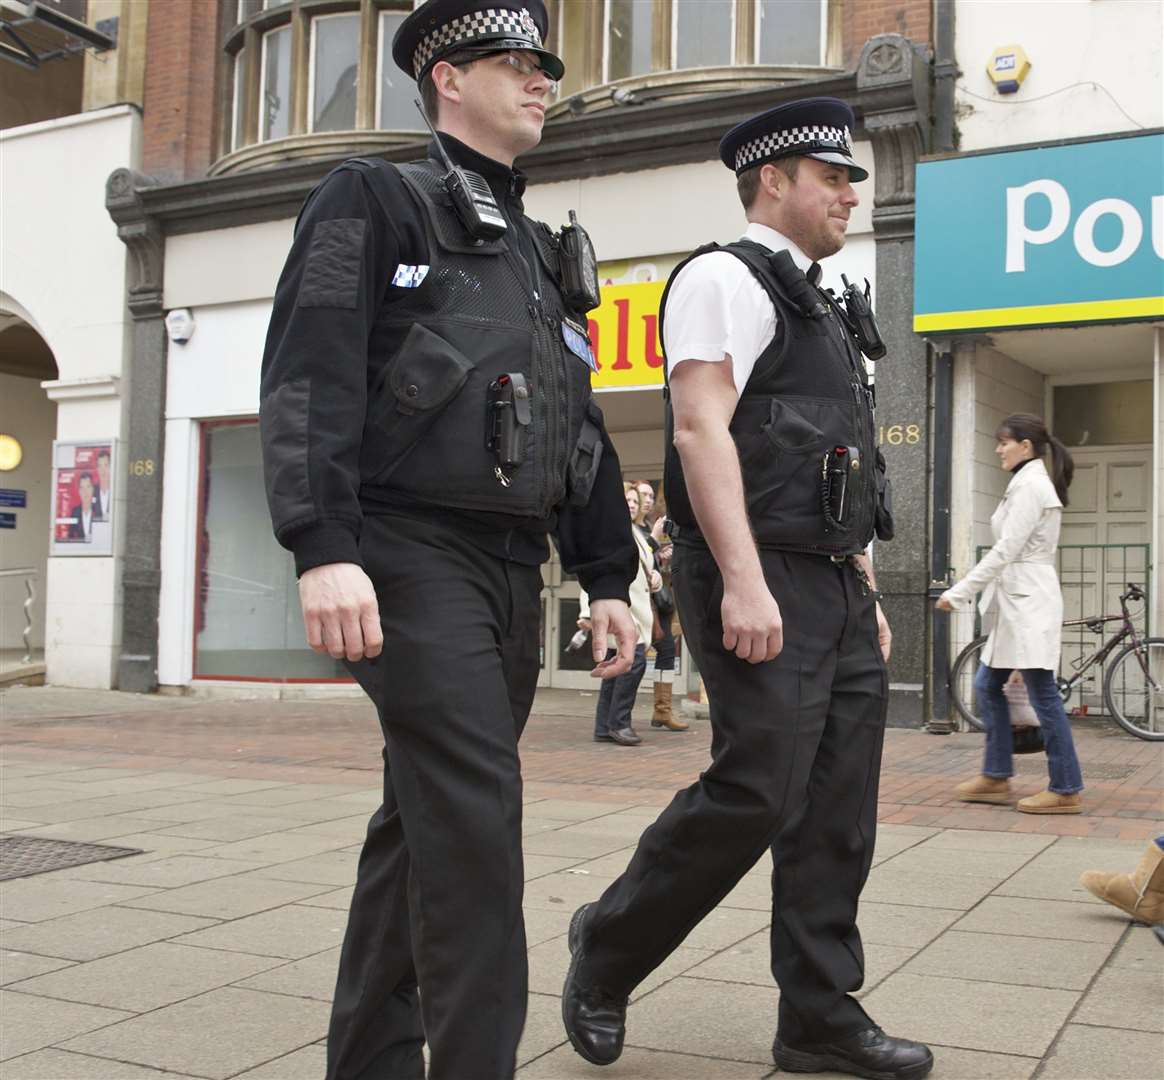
(334, 260)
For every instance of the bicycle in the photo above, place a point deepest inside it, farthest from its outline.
(1133, 684)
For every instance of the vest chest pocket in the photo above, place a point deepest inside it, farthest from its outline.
(789, 430)
(422, 378)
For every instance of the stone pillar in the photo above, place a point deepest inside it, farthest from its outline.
(893, 89)
(137, 668)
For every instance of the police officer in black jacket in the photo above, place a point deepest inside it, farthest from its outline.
(772, 482)
(427, 424)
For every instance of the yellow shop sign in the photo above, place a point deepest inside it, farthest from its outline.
(624, 335)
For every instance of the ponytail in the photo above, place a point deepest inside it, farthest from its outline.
(1020, 426)
(1062, 467)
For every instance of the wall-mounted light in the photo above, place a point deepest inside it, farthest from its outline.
(1008, 66)
(11, 452)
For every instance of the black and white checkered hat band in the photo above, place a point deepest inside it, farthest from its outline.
(490, 23)
(799, 140)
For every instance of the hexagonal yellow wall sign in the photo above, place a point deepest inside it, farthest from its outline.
(1008, 66)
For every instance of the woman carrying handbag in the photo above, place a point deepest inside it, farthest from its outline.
(1022, 608)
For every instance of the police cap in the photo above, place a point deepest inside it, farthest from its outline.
(813, 127)
(439, 28)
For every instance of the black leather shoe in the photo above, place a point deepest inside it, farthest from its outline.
(625, 736)
(595, 1021)
(604, 737)
(870, 1053)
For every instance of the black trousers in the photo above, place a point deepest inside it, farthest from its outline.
(796, 753)
(437, 903)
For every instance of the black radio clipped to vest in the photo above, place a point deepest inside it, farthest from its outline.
(473, 202)
(862, 324)
(580, 287)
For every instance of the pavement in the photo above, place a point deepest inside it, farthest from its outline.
(212, 954)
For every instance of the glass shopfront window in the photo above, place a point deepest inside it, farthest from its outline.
(335, 41)
(703, 32)
(628, 38)
(248, 623)
(790, 31)
(276, 82)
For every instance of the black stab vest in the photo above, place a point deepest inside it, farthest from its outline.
(808, 393)
(476, 315)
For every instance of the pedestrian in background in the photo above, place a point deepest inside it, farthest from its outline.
(616, 699)
(1022, 607)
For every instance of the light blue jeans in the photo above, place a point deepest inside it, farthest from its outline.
(1062, 762)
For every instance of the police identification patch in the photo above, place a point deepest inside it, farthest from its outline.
(578, 342)
(409, 277)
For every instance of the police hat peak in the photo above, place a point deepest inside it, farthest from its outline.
(818, 128)
(440, 28)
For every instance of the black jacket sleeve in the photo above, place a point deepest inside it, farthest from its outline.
(595, 540)
(313, 393)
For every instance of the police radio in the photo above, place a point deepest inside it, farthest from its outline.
(473, 202)
(862, 324)
(580, 287)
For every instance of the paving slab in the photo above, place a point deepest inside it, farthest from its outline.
(226, 898)
(578, 843)
(922, 887)
(1054, 873)
(954, 1063)
(1087, 1053)
(337, 899)
(165, 871)
(543, 1027)
(1139, 950)
(311, 977)
(229, 829)
(17, 966)
(536, 866)
(350, 830)
(308, 1063)
(575, 809)
(53, 1064)
(995, 866)
(564, 892)
(146, 978)
(32, 1023)
(982, 840)
(250, 1029)
(677, 1018)
(901, 924)
(1017, 961)
(542, 925)
(99, 932)
(635, 1064)
(49, 896)
(971, 1015)
(290, 932)
(1125, 997)
(95, 830)
(1061, 919)
(326, 868)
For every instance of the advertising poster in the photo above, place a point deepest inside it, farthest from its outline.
(83, 493)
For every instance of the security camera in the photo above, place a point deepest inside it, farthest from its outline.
(180, 325)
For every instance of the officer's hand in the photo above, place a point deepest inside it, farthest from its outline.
(612, 617)
(752, 627)
(884, 634)
(340, 613)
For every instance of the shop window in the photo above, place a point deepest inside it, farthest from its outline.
(629, 29)
(276, 83)
(247, 8)
(335, 41)
(1104, 414)
(791, 31)
(396, 91)
(703, 33)
(237, 68)
(248, 623)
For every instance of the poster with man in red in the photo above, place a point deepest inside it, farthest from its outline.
(83, 498)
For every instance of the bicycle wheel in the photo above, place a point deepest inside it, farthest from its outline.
(1134, 689)
(962, 673)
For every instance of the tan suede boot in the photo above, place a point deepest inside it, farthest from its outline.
(663, 715)
(1048, 802)
(1140, 893)
(984, 789)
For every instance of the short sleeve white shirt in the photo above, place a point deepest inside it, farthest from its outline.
(717, 310)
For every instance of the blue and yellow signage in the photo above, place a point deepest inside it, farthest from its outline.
(1052, 236)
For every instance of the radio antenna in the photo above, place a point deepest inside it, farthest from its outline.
(440, 145)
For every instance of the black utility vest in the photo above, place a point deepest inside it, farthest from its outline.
(808, 394)
(480, 312)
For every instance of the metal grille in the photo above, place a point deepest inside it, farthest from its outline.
(23, 856)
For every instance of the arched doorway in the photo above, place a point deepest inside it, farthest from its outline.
(28, 424)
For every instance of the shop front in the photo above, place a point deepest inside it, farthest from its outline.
(1039, 270)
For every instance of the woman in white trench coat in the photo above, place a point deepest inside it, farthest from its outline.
(1022, 608)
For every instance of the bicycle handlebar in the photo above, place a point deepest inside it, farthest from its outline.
(1134, 592)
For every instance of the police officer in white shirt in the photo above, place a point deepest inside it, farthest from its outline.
(775, 488)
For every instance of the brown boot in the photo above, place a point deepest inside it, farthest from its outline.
(984, 789)
(1140, 893)
(663, 715)
(1048, 802)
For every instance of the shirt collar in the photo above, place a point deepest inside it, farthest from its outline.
(777, 241)
(503, 180)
